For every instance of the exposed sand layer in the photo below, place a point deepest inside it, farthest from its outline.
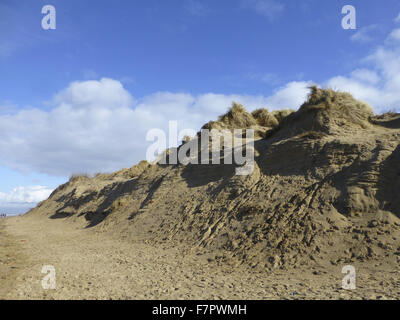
(90, 265)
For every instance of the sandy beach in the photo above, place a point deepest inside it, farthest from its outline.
(90, 265)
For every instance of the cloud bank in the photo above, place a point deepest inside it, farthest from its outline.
(22, 199)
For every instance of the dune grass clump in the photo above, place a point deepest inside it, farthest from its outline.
(319, 99)
(237, 117)
(265, 118)
(212, 125)
(338, 105)
(79, 177)
(280, 115)
(330, 100)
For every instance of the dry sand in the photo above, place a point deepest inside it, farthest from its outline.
(90, 265)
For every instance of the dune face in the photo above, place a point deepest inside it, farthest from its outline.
(325, 189)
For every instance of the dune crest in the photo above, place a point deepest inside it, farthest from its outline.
(324, 190)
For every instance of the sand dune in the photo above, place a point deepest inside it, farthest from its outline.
(323, 194)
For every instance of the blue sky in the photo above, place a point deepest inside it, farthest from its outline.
(82, 97)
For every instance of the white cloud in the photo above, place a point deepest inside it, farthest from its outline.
(24, 196)
(98, 126)
(397, 19)
(394, 36)
(7, 107)
(105, 93)
(268, 8)
(292, 95)
(365, 75)
(379, 83)
(365, 34)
